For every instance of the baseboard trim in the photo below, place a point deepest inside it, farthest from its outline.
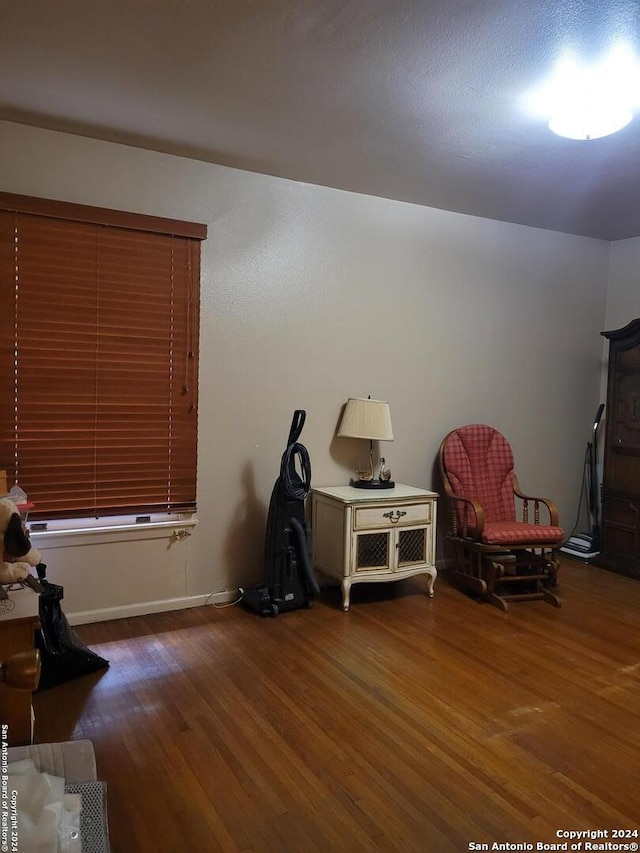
(144, 608)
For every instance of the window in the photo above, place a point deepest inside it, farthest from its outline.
(99, 317)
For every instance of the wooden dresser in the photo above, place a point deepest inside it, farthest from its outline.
(621, 482)
(17, 629)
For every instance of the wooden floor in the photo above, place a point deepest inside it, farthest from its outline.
(406, 724)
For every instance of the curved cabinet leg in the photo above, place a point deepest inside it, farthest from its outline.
(431, 579)
(346, 593)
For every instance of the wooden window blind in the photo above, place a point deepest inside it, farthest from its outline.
(99, 318)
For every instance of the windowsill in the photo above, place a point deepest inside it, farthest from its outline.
(113, 528)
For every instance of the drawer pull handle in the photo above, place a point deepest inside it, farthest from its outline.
(398, 515)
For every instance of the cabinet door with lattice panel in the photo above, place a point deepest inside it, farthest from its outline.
(372, 552)
(412, 547)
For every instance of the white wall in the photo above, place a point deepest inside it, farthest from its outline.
(311, 295)
(623, 297)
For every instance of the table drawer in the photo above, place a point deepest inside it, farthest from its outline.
(368, 518)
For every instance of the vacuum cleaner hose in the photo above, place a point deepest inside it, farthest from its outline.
(303, 554)
(296, 487)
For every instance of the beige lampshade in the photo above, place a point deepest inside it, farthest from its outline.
(366, 419)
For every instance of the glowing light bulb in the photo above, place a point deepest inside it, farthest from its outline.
(590, 120)
(589, 101)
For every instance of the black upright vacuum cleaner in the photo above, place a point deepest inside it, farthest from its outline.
(289, 582)
(586, 545)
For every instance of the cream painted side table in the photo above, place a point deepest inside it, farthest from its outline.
(377, 535)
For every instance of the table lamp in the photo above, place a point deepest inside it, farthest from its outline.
(367, 418)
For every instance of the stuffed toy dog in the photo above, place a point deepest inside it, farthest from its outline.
(18, 556)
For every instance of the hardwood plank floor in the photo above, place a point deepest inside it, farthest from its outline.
(407, 724)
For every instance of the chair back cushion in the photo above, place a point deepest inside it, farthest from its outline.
(479, 464)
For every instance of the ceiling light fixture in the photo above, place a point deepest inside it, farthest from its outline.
(590, 120)
(582, 101)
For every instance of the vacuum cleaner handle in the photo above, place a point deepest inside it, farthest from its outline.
(299, 417)
(303, 554)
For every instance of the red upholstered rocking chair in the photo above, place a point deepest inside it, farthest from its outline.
(500, 554)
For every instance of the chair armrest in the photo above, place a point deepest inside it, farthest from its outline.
(462, 508)
(547, 502)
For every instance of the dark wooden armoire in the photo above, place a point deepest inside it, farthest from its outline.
(620, 549)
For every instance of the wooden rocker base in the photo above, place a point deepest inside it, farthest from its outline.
(502, 601)
(501, 575)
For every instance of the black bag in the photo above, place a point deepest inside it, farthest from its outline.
(63, 654)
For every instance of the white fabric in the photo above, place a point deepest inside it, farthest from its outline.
(39, 810)
(73, 760)
(69, 840)
(48, 820)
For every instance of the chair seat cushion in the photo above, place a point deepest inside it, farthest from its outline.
(518, 533)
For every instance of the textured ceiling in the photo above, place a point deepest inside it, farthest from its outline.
(418, 100)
